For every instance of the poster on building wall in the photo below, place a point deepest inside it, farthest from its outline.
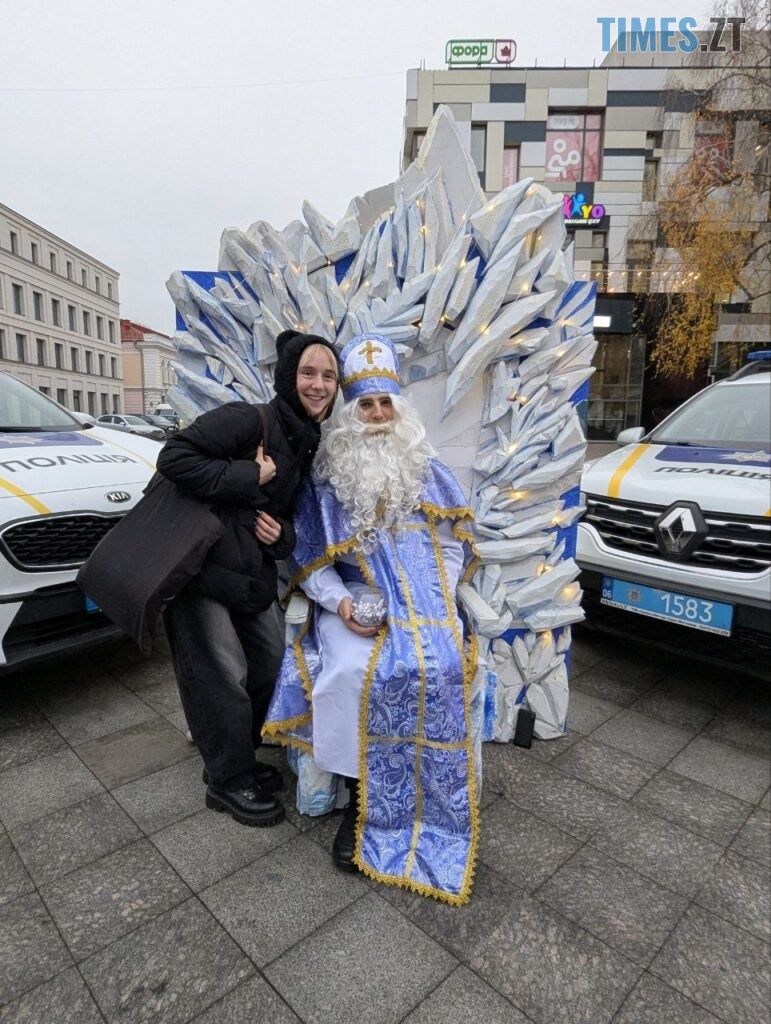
(573, 145)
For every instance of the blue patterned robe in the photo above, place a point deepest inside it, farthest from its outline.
(418, 820)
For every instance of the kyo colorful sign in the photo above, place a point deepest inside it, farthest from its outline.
(579, 213)
(480, 51)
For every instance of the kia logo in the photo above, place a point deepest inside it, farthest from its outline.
(118, 497)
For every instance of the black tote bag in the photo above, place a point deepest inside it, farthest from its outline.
(146, 559)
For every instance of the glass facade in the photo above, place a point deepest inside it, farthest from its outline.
(615, 397)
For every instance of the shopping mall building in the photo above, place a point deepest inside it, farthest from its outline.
(606, 138)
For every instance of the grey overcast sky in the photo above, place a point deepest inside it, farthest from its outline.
(138, 129)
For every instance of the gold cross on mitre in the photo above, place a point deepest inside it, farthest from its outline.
(368, 352)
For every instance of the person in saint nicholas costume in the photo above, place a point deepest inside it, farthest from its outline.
(377, 684)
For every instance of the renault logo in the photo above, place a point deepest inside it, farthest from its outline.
(118, 497)
(680, 529)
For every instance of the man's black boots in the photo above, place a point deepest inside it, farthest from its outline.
(266, 776)
(345, 840)
(247, 803)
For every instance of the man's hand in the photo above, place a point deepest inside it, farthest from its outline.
(266, 529)
(344, 611)
(266, 464)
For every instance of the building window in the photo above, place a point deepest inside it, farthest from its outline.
(87, 323)
(713, 145)
(573, 147)
(639, 260)
(478, 145)
(97, 284)
(763, 156)
(91, 403)
(58, 355)
(89, 361)
(111, 331)
(113, 367)
(37, 303)
(34, 252)
(109, 289)
(72, 318)
(69, 270)
(650, 180)
(598, 274)
(56, 312)
(52, 262)
(417, 142)
(2, 344)
(44, 390)
(100, 327)
(61, 396)
(75, 360)
(102, 364)
(21, 348)
(654, 140)
(84, 277)
(115, 403)
(616, 395)
(41, 352)
(18, 299)
(103, 403)
(510, 165)
(599, 240)
(1, 291)
(76, 401)
(14, 243)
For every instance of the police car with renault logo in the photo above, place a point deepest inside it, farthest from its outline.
(63, 485)
(678, 523)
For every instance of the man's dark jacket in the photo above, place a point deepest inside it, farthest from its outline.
(213, 460)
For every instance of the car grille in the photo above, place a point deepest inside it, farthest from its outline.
(55, 542)
(739, 544)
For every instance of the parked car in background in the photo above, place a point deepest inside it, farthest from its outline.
(678, 522)
(168, 413)
(133, 424)
(63, 485)
(160, 422)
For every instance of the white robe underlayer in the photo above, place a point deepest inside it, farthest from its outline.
(344, 658)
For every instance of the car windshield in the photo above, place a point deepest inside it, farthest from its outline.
(137, 421)
(726, 416)
(23, 410)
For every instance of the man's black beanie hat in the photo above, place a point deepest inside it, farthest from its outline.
(290, 346)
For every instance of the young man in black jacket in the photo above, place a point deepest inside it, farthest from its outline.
(224, 628)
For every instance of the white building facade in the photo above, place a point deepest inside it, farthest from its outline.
(59, 318)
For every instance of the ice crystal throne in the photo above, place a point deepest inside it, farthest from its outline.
(495, 340)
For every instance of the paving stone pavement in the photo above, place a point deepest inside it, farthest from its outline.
(623, 871)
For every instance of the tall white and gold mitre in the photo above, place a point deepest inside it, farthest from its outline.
(370, 367)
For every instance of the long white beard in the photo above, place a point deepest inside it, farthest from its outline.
(377, 472)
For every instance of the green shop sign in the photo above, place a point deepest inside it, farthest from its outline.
(480, 51)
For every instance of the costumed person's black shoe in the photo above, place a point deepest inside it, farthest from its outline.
(345, 840)
(268, 778)
(248, 805)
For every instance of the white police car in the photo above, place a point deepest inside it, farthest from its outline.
(678, 524)
(63, 485)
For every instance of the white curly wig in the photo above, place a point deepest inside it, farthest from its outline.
(376, 470)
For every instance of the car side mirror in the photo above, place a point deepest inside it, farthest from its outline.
(630, 436)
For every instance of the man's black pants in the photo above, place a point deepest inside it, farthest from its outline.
(226, 663)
